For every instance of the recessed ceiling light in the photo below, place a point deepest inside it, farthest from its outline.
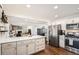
(28, 6)
(56, 16)
(56, 7)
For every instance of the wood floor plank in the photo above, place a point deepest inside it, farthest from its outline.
(50, 50)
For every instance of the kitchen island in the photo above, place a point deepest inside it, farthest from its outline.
(22, 45)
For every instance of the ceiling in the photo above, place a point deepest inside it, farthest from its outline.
(23, 21)
(41, 11)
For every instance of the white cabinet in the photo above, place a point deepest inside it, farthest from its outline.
(9, 48)
(25, 47)
(22, 48)
(40, 44)
(40, 41)
(62, 41)
(31, 48)
(0, 49)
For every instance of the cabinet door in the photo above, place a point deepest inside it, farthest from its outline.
(9, 48)
(40, 48)
(0, 49)
(62, 41)
(31, 48)
(21, 48)
(40, 41)
(40, 44)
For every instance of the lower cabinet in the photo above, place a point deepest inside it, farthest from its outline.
(31, 48)
(40, 45)
(0, 49)
(22, 48)
(9, 48)
(25, 47)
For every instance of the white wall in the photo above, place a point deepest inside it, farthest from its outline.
(66, 20)
(34, 28)
(27, 23)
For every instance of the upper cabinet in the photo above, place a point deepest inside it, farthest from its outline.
(72, 26)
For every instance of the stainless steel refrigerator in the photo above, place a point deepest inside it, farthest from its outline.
(54, 32)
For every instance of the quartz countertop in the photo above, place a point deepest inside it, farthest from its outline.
(12, 39)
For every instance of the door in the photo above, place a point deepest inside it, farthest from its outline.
(51, 38)
(76, 44)
(9, 48)
(55, 35)
(21, 48)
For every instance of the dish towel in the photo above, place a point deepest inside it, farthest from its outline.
(70, 42)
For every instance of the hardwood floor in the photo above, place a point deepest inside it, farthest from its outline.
(54, 51)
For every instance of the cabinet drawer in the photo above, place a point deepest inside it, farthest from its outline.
(9, 48)
(29, 41)
(9, 45)
(21, 42)
(40, 41)
(37, 49)
(40, 47)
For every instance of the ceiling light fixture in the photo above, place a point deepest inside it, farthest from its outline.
(56, 7)
(28, 6)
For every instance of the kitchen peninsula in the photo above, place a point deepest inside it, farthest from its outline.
(22, 45)
(19, 40)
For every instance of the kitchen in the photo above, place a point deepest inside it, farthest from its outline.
(32, 30)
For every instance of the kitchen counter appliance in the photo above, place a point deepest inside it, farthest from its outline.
(54, 32)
